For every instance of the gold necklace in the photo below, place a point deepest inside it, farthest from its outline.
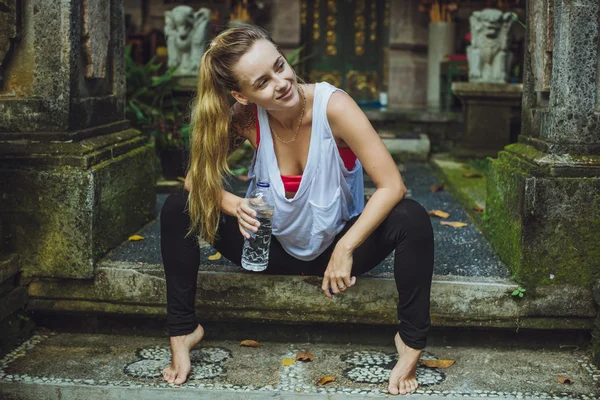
(299, 123)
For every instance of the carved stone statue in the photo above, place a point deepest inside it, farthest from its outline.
(488, 55)
(186, 32)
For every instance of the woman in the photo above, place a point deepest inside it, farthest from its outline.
(311, 141)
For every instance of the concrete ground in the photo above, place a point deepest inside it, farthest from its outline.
(63, 365)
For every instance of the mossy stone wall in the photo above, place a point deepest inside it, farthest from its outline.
(61, 220)
(544, 216)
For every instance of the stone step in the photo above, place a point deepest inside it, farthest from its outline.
(232, 296)
(12, 296)
(9, 266)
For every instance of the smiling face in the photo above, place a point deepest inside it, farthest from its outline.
(266, 78)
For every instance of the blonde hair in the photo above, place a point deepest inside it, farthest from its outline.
(210, 121)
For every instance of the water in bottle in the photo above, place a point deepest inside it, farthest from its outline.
(255, 253)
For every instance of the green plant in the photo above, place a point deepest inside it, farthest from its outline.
(151, 106)
(516, 18)
(518, 292)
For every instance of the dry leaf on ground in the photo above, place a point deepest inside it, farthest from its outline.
(214, 257)
(478, 208)
(438, 363)
(437, 188)
(565, 379)
(438, 213)
(243, 178)
(250, 343)
(305, 356)
(286, 362)
(453, 224)
(472, 175)
(325, 379)
(465, 166)
(135, 238)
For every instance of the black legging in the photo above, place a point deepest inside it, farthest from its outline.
(407, 229)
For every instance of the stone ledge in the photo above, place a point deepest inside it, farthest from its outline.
(408, 115)
(476, 302)
(9, 267)
(404, 149)
(12, 301)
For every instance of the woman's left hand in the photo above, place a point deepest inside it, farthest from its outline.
(337, 275)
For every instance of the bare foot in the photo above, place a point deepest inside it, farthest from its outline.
(403, 378)
(181, 364)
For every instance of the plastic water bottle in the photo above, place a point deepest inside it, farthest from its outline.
(255, 253)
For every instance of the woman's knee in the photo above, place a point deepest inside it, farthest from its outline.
(174, 208)
(411, 215)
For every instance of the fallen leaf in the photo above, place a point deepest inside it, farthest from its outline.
(135, 238)
(478, 208)
(438, 213)
(243, 178)
(325, 379)
(250, 343)
(437, 188)
(286, 362)
(214, 257)
(453, 224)
(472, 175)
(305, 356)
(565, 379)
(438, 363)
(465, 166)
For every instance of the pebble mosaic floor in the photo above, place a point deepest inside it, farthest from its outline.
(99, 360)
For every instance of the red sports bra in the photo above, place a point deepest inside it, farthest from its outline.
(291, 183)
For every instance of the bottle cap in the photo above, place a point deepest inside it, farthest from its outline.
(263, 184)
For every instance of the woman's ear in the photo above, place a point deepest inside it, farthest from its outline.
(240, 98)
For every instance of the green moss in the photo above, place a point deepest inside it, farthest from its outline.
(503, 226)
(525, 150)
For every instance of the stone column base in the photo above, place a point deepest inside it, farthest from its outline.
(67, 203)
(536, 224)
(487, 114)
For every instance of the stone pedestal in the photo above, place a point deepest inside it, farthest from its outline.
(487, 109)
(75, 179)
(543, 194)
(407, 56)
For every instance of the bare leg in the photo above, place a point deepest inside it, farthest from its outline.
(403, 378)
(181, 365)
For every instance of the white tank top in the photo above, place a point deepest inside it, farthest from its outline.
(329, 194)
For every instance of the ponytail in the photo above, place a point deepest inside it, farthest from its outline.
(209, 148)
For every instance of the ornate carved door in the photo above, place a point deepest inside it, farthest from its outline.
(348, 41)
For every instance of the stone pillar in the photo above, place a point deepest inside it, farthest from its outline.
(407, 70)
(543, 195)
(75, 179)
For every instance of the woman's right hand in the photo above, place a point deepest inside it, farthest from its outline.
(246, 217)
